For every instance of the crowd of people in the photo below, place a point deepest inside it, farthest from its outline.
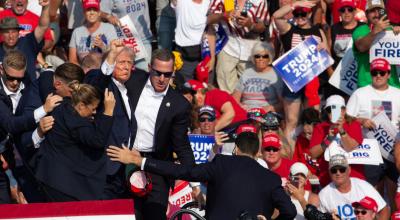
(87, 115)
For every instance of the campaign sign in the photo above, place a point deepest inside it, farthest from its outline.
(345, 75)
(221, 38)
(201, 146)
(386, 45)
(131, 37)
(302, 64)
(181, 195)
(366, 153)
(385, 134)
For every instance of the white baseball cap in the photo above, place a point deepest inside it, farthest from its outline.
(297, 168)
(335, 100)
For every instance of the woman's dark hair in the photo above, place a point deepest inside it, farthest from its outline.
(309, 116)
(84, 93)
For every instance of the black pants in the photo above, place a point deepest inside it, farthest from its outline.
(54, 195)
(29, 185)
(5, 197)
(117, 186)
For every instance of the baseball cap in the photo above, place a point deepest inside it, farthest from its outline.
(299, 168)
(256, 114)
(9, 23)
(374, 4)
(380, 64)
(396, 215)
(302, 9)
(348, 3)
(335, 100)
(271, 120)
(246, 128)
(207, 110)
(368, 203)
(196, 85)
(271, 140)
(202, 70)
(91, 4)
(338, 160)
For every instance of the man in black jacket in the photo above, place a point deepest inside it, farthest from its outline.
(235, 183)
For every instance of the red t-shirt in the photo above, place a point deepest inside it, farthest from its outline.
(392, 7)
(320, 131)
(302, 153)
(217, 98)
(284, 169)
(29, 21)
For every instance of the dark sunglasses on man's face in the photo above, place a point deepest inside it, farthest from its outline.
(362, 212)
(344, 9)
(258, 56)
(11, 78)
(334, 170)
(159, 73)
(300, 14)
(271, 149)
(209, 119)
(377, 72)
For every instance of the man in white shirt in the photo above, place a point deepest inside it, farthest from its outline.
(367, 102)
(339, 195)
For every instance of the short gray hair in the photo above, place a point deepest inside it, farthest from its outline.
(263, 46)
(130, 52)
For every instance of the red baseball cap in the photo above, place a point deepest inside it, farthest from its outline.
(380, 64)
(303, 9)
(202, 70)
(271, 140)
(348, 3)
(396, 215)
(196, 85)
(246, 128)
(91, 4)
(367, 203)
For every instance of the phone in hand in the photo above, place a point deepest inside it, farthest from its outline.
(382, 12)
(336, 112)
(295, 181)
(243, 13)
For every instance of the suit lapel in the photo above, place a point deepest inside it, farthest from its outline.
(163, 112)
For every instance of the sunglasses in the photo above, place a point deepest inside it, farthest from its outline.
(344, 9)
(270, 128)
(11, 78)
(334, 170)
(271, 149)
(258, 56)
(362, 212)
(159, 73)
(329, 109)
(300, 14)
(377, 72)
(208, 119)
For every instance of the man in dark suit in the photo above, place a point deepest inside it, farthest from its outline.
(160, 118)
(12, 98)
(235, 183)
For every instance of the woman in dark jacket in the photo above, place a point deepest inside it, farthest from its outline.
(72, 160)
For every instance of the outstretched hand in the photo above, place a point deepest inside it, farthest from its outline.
(124, 155)
(44, 3)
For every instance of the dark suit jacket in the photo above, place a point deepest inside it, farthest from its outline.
(72, 158)
(235, 184)
(171, 124)
(122, 127)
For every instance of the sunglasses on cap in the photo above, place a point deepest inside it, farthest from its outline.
(378, 72)
(334, 170)
(298, 14)
(271, 149)
(209, 119)
(258, 56)
(159, 73)
(362, 212)
(344, 9)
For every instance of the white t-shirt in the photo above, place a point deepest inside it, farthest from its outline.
(331, 199)
(191, 20)
(366, 102)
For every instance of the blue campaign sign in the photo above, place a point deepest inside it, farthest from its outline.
(302, 64)
(221, 39)
(201, 146)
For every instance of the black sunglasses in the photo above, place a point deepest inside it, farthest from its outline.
(258, 56)
(269, 149)
(209, 119)
(11, 78)
(344, 9)
(300, 14)
(334, 170)
(362, 212)
(270, 128)
(377, 72)
(159, 73)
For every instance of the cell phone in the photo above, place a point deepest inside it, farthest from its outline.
(243, 13)
(294, 180)
(336, 112)
(231, 131)
(382, 12)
